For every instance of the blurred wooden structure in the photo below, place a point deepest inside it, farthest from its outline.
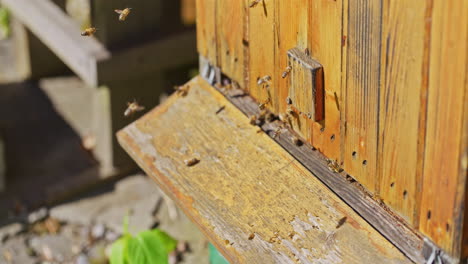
(137, 53)
(394, 80)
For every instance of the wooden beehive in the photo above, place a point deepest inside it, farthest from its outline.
(395, 119)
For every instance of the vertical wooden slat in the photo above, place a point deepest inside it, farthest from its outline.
(262, 37)
(230, 33)
(206, 30)
(441, 216)
(325, 45)
(291, 22)
(362, 95)
(401, 85)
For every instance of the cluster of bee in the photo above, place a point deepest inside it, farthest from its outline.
(122, 16)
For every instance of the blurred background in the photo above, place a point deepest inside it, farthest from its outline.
(65, 183)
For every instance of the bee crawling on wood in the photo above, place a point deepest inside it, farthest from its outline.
(89, 32)
(132, 108)
(278, 131)
(191, 162)
(265, 80)
(254, 3)
(123, 13)
(286, 72)
(334, 166)
(296, 141)
(262, 105)
(182, 90)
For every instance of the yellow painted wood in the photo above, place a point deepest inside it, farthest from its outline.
(441, 216)
(402, 65)
(250, 197)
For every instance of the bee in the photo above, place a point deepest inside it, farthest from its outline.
(334, 166)
(265, 80)
(123, 13)
(296, 141)
(89, 32)
(182, 90)
(341, 222)
(278, 131)
(286, 72)
(254, 3)
(262, 105)
(289, 110)
(253, 120)
(289, 101)
(191, 162)
(133, 108)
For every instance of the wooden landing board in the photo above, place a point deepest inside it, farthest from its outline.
(61, 34)
(252, 199)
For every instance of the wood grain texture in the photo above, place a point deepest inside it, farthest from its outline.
(362, 92)
(306, 92)
(61, 34)
(441, 216)
(399, 110)
(262, 37)
(206, 30)
(387, 223)
(230, 33)
(325, 44)
(292, 218)
(291, 21)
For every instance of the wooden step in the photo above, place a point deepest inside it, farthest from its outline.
(252, 199)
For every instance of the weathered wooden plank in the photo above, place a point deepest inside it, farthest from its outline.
(206, 30)
(362, 95)
(292, 29)
(262, 37)
(325, 40)
(441, 216)
(61, 34)
(391, 226)
(230, 195)
(230, 33)
(399, 109)
(306, 93)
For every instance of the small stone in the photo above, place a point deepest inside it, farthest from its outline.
(172, 258)
(98, 231)
(182, 247)
(82, 259)
(38, 215)
(111, 236)
(10, 231)
(97, 254)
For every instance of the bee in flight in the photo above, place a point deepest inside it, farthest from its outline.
(133, 108)
(123, 13)
(89, 32)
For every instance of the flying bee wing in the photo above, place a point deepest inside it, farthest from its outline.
(118, 11)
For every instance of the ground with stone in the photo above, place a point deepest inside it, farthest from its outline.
(81, 230)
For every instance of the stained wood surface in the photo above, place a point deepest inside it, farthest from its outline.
(292, 29)
(362, 92)
(262, 40)
(325, 19)
(61, 34)
(206, 30)
(291, 218)
(230, 27)
(402, 65)
(444, 181)
(306, 93)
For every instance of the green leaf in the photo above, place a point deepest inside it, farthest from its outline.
(119, 250)
(4, 22)
(150, 247)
